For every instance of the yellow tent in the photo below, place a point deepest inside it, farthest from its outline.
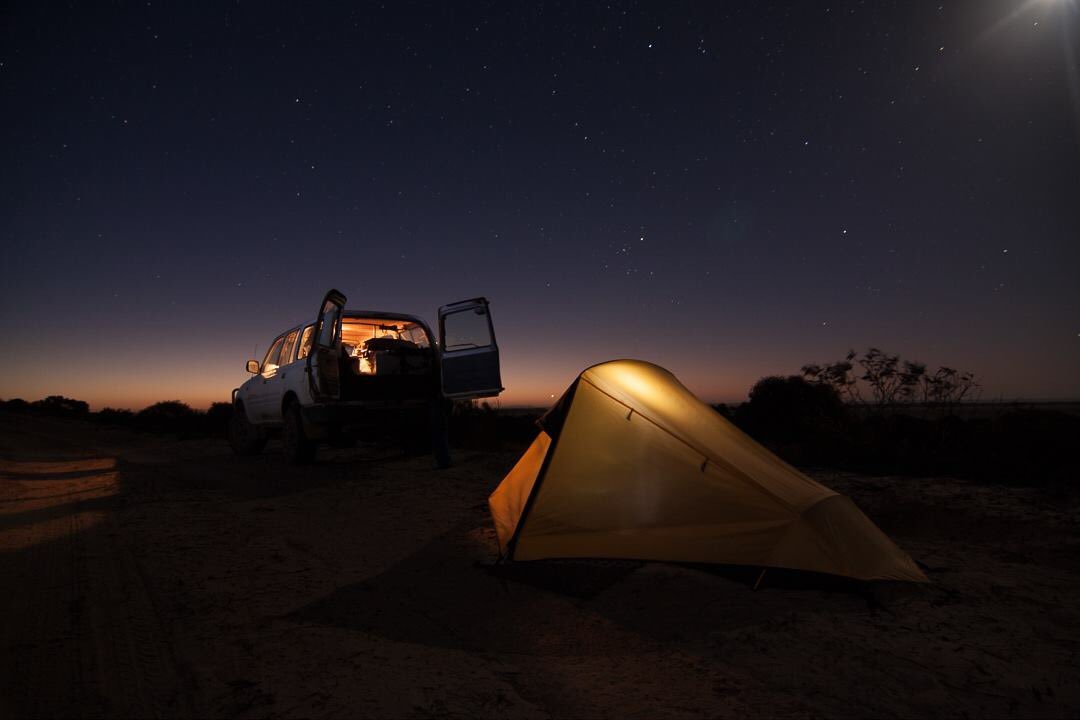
(630, 464)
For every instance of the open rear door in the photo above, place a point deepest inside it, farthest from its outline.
(469, 354)
(324, 361)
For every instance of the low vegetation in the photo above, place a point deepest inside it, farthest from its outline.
(887, 380)
(877, 413)
(169, 417)
(871, 413)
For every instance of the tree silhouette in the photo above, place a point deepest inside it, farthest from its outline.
(948, 387)
(891, 380)
(840, 376)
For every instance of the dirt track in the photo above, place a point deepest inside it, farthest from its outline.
(147, 577)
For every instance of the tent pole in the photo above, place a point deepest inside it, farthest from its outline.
(759, 579)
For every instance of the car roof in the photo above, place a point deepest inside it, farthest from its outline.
(377, 315)
(373, 314)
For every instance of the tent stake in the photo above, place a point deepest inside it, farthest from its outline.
(759, 579)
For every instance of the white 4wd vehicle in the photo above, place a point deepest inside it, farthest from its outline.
(356, 370)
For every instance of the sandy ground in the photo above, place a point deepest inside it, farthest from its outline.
(151, 577)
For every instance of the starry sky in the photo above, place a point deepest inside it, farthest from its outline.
(728, 189)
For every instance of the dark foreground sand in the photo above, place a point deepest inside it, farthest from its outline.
(149, 577)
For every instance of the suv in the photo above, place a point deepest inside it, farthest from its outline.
(351, 371)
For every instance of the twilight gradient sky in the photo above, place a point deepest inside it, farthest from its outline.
(727, 189)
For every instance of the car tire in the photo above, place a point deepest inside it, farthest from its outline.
(299, 448)
(244, 437)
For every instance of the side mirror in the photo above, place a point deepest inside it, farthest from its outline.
(253, 367)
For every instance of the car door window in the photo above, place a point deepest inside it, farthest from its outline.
(331, 313)
(288, 349)
(305, 342)
(468, 352)
(270, 362)
(466, 330)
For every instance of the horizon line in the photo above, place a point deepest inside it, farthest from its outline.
(530, 406)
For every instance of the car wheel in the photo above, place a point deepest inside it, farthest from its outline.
(299, 448)
(244, 438)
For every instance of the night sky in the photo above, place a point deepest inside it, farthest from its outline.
(727, 189)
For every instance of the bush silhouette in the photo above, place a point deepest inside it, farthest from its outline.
(217, 418)
(890, 380)
(60, 406)
(15, 405)
(169, 416)
(785, 409)
(725, 411)
(806, 423)
(113, 416)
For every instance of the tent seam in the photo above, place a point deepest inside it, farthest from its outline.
(708, 457)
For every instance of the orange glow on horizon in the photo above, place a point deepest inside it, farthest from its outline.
(528, 384)
(140, 376)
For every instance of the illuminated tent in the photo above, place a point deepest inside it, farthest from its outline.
(630, 464)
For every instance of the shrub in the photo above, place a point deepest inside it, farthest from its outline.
(171, 416)
(786, 409)
(216, 419)
(725, 411)
(1021, 447)
(15, 405)
(60, 406)
(113, 416)
(890, 380)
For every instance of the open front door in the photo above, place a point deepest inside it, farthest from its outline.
(469, 354)
(324, 361)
